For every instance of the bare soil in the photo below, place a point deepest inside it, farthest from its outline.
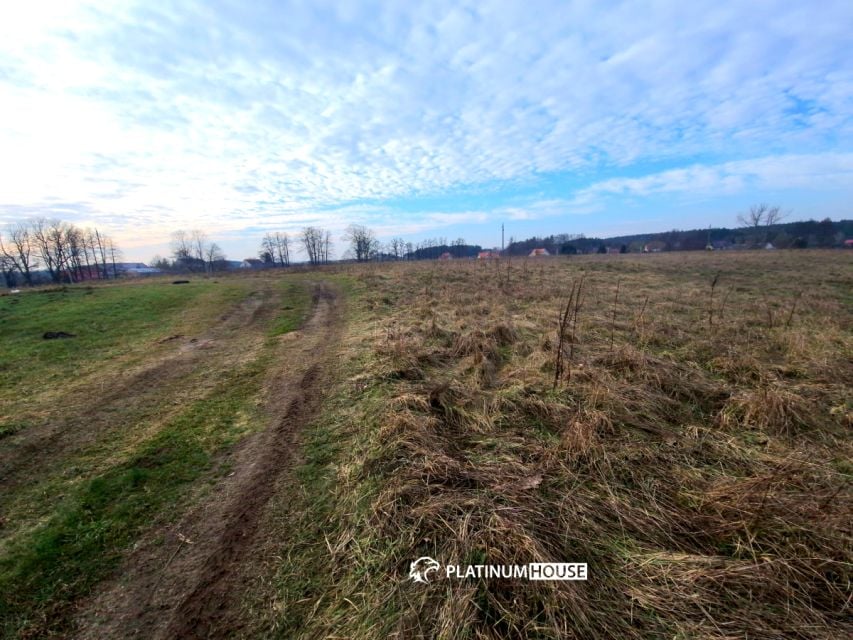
(183, 580)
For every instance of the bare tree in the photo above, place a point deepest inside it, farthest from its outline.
(50, 239)
(64, 250)
(115, 254)
(275, 249)
(101, 246)
(362, 241)
(181, 249)
(282, 248)
(396, 247)
(761, 215)
(773, 216)
(213, 256)
(190, 249)
(199, 244)
(8, 269)
(19, 252)
(312, 242)
(267, 253)
(327, 246)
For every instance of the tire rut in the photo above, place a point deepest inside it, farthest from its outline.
(190, 586)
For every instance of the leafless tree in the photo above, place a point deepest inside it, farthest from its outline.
(327, 246)
(8, 269)
(761, 215)
(199, 244)
(313, 241)
(67, 252)
(190, 249)
(213, 256)
(181, 249)
(18, 252)
(99, 243)
(282, 248)
(115, 254)
(267, 253)
(275, 248)
(397, 248)
(51, 241)
(362, 242)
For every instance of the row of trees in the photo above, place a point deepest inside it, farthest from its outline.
(192, 251)
(61, 250)
(276, 247)
(362, 246)
(784, 235)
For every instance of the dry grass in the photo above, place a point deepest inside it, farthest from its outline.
(695, 453)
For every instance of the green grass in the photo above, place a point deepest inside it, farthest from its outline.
(81, 516)
(294, 310)
(106, 321)
(48, 567)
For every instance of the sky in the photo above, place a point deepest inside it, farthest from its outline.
(421, 119)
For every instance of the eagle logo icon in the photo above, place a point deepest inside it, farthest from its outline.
(420, 569)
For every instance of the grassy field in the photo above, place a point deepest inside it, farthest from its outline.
(103, 433)
(688, 436)
(695, 452)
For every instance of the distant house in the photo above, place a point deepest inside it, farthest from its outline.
(613, 250)
(539, 252)
(253, 263)
(769, 246)
(488, 255)
(848, 244)
(133, 269)
(445, 256)
(655, 246)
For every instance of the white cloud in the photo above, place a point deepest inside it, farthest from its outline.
(815, 171)
(150, 116)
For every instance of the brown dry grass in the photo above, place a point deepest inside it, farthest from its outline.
(701, 467)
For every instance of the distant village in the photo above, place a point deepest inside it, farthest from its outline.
(31, 255)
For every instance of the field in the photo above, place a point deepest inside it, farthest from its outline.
(264, 456)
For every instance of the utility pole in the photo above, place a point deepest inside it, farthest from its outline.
(502, 238)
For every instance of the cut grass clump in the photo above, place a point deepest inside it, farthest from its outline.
(772, 410)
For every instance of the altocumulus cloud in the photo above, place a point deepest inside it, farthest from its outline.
(147, 116)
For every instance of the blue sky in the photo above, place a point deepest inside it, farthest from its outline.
(434, 119)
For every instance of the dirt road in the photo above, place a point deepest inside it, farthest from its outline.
(184, 581)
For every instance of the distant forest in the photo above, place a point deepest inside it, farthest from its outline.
(790, 235)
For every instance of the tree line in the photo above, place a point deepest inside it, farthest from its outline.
(362, 245)
(193, 252)
(38, 249)
(756, 233)
(277, 247)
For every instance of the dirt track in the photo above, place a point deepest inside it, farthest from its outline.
(184, 581)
